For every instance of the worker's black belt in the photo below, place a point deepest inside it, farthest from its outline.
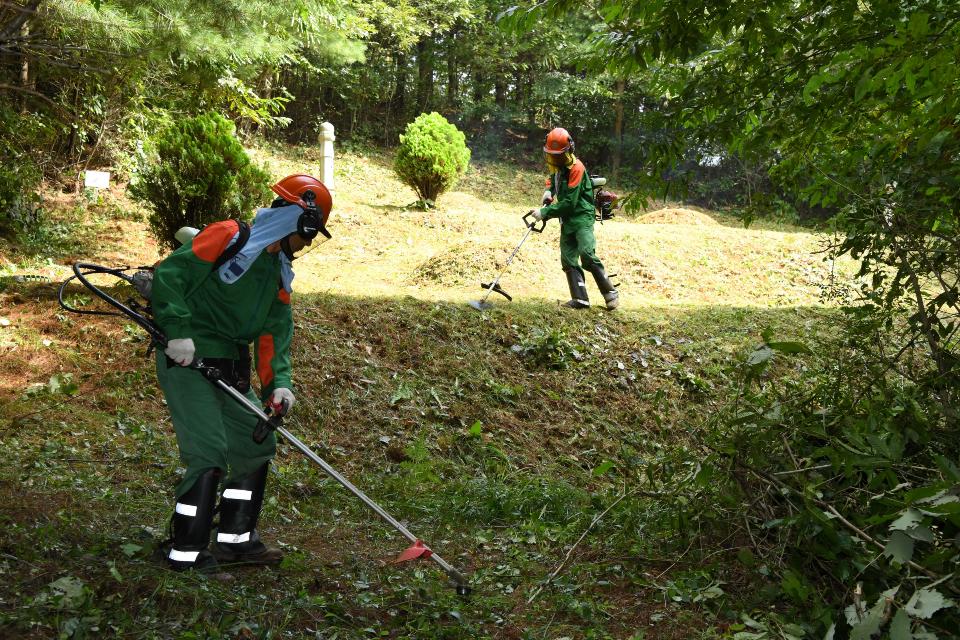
(235, 372)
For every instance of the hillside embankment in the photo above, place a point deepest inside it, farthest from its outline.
(499, 437)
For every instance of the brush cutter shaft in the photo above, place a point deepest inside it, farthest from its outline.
(493, 284)
(454, 575)
(82, 269)
(510, 259)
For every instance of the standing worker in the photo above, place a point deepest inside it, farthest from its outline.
(214, 309)
(569, 196)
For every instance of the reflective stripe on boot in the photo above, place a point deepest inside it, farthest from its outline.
(237, 537)
(579, 299)
(192, 519)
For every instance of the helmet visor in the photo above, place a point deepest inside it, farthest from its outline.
(555, 160)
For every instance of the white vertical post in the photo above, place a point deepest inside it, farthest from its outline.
(326, 153)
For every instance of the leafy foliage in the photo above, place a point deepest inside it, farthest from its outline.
(19, 176)
(552, 349)
(844, 487)
(431, 157)
(198, 173)
(849, 108)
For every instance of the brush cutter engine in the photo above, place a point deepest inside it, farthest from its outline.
(604, 200)
(142, 281)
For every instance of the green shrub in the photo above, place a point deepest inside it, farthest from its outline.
(196, 173)
(433, 154)
(19, 202)
(19, 174)
(551, 349)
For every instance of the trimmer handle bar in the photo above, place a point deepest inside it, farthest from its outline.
(532, 223)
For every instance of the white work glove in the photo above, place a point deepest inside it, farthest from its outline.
(536, 214)
(281, 401)
(547, 197)
(181, 351)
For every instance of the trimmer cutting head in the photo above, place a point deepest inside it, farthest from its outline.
(480, 305)
(497, 288)
(419, 550)
(483, 305)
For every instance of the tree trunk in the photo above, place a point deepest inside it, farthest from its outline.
(24, 64)
(424, 75)
(531, 112)
(400, 88)
(479, 85)
(500, 91)
(522, 91)
(617, 155)
(453, 76)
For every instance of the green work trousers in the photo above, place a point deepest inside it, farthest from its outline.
(213, 430)
(578, 244)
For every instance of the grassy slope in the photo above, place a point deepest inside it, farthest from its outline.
(393, 372)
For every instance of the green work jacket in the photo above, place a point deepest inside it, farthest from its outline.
(191, 301)
(573, 202)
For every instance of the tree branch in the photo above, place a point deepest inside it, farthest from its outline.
(11, 87)
(25, 14)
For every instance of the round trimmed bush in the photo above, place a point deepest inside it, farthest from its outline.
(432, 156)
(197, 173)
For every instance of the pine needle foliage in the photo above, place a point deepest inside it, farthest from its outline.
(432, 156)
(198, 173)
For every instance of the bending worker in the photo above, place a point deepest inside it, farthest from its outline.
(569, 196)
(214, 309)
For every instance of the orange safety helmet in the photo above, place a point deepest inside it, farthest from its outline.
(313, 197)
(558, 141)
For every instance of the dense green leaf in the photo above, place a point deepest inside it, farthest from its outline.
(899, 547)
(926, 602)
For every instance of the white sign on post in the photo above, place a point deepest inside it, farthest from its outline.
(96, 179)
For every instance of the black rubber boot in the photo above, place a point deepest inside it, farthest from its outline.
(578, 289)
(237, 537)
(610, 295)
(192, 520)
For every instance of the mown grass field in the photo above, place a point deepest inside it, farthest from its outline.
(498, 437)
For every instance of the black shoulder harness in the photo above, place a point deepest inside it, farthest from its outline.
(235, 248)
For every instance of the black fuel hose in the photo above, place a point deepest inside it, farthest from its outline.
(83, 269)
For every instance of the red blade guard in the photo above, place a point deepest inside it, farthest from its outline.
(417, 550)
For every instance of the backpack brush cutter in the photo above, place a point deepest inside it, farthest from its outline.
(140, 314)
(605, 202)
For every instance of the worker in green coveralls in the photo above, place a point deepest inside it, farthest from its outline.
(569, 196)
(215, 309)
